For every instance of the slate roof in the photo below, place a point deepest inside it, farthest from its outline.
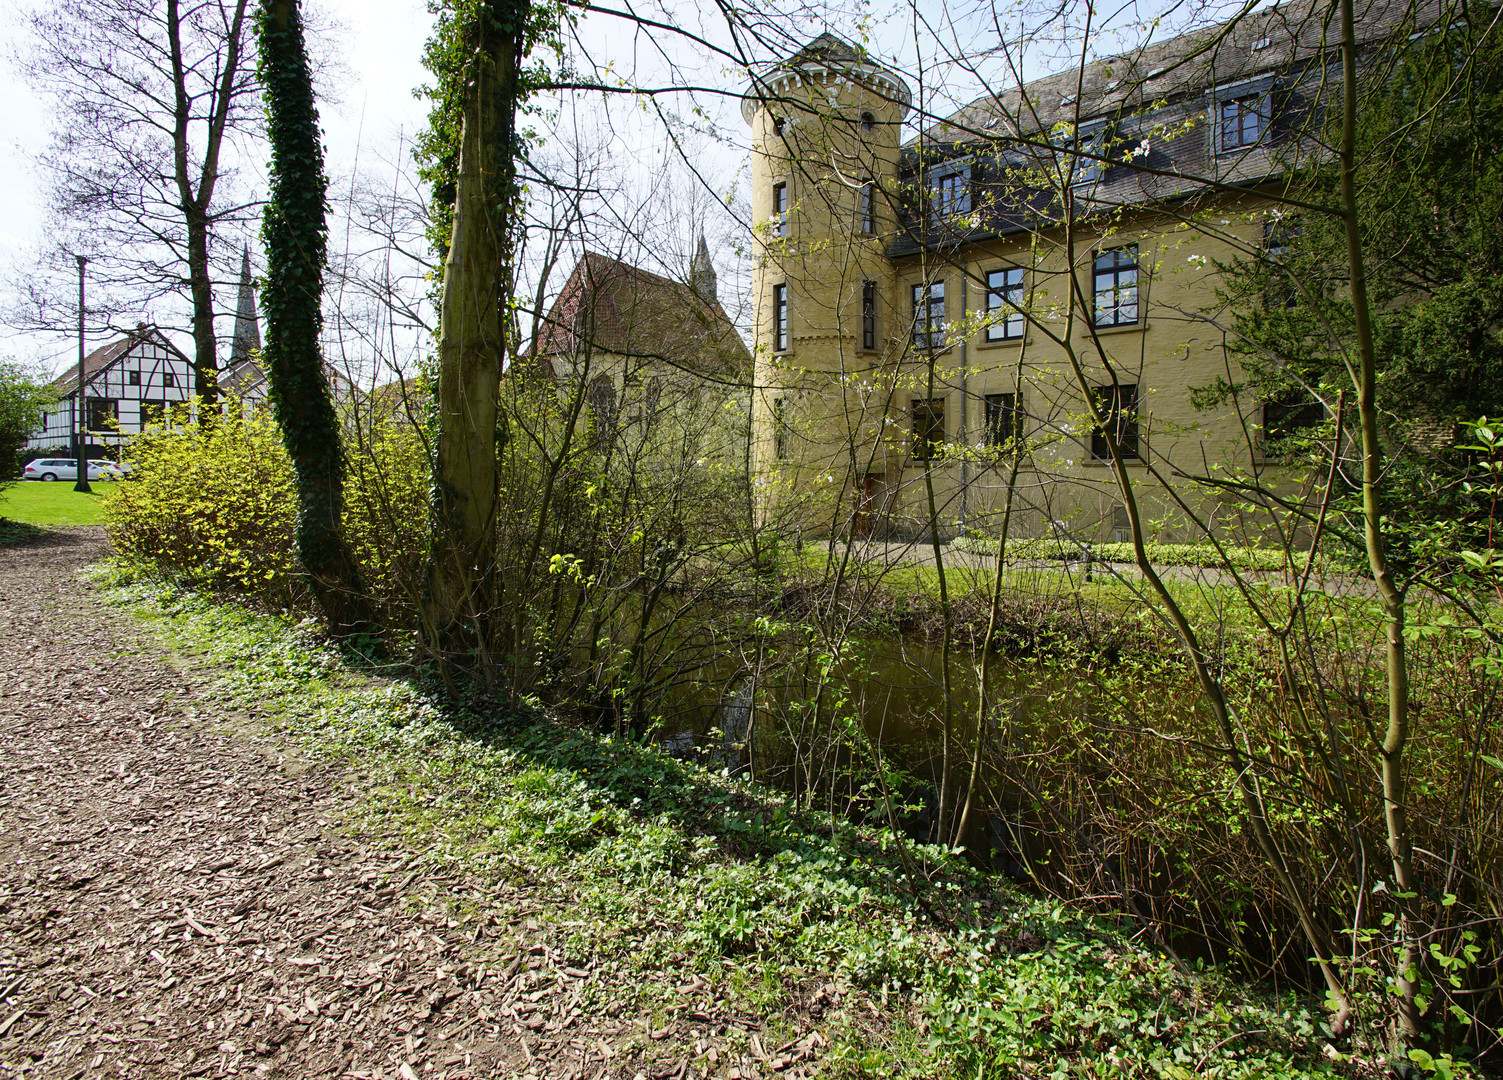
(1284, 51)
(632, 312)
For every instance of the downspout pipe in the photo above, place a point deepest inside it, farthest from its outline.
(965, 474)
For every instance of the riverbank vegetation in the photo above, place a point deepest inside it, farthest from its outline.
(878, 956)
(1243, 707)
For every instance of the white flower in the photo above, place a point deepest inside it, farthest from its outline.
(1197, 260)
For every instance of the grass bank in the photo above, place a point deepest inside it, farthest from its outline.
(903, 961)
(33, 502)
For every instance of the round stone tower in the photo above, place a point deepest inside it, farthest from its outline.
(826, 134)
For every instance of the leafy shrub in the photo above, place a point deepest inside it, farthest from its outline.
(217, 507)
(214, 505)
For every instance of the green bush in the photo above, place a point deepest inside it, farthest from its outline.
(217, 507)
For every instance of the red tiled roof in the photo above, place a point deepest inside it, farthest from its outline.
(618, 308)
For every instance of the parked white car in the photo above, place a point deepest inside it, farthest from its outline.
(67, 469)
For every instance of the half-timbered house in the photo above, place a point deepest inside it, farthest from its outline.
(128, 385)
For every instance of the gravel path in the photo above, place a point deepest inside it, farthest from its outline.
(179, 897)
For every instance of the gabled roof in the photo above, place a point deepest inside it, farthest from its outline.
(613, 307)
(106, 356)
(242, 376)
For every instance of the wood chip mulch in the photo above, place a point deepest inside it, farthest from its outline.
(183, 897)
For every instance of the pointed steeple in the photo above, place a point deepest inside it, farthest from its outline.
(247, 325)
(702, 273)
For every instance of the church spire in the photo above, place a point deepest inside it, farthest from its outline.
(247, 325)
(702, 272)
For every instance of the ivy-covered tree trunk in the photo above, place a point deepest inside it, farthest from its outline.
(473, 324)
(295, 234)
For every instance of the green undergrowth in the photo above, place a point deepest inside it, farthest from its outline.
(662, 871)
(1201, 555)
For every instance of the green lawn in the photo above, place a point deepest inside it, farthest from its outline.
(37, 503)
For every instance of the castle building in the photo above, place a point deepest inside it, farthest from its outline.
(931, 312)
(638, 344)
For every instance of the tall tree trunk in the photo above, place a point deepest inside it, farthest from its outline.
(296, 235)
(1396, 737)
(196, 199)
(201, 293)
(472, 332)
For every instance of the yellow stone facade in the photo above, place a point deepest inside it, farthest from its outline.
(847, 388)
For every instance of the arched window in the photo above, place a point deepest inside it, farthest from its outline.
(868, 122)
(777, 125)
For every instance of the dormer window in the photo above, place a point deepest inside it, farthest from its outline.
(1090, 147)
(1242, 121)
(950, 190)
(1241, 115)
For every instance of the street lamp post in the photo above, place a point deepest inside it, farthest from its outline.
(80, 412)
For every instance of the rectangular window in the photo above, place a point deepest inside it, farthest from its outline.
(780, 428)
(867, 209)
(1118, 405)
(1276, 239)
(153, 412)
(1290, 415)
(951, 192)
(133, 378)
(169, 379)
(1240, 122)
(780, 209)
(1116, 287)
(102, 414)
(928, 428)
(869, 315)
(929, 315)
(1004, 419)
(780, 318)
(1004, 302)
(1087, 170)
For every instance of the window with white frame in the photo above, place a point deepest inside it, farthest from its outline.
(1090, 145)
(779, 221)
(780, 318)
(929, 315)
(1116, 287)
(1004, 304)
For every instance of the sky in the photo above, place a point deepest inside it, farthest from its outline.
(652, 191)
(379, 42)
